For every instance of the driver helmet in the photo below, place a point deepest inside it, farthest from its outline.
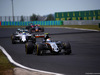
(24, 33)
(46, 35)
(18, 29)
(48, 40)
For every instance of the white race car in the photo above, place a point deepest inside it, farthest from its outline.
(22, 37)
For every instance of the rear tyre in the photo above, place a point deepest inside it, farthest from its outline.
(29, 48)
(42, 29)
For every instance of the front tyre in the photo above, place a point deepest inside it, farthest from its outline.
(29, 48)
(39, 48)
(67, 48)
(13, 39)
(28, 27)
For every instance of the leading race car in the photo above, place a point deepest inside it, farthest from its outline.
(46, 45)
(22, 37)
(36, 28)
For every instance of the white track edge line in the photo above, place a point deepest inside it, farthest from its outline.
(24, 67)
(75, 28)
(82, 29)
(86, 29)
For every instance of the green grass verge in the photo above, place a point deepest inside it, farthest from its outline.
(5, 65)
(95, 27)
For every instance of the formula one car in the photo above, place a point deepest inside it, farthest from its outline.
(22, 37)
(36, 28)
(54, 47)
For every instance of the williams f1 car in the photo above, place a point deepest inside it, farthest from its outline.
(22, 37)
(46, 45)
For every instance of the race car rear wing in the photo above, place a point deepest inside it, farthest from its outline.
(39, 36)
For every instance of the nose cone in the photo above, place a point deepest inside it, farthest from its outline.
(23, 38)
(36, 30)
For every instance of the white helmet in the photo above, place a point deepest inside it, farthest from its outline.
(48, 40)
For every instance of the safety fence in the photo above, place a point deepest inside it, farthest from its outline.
(17, 23)
(0, 23)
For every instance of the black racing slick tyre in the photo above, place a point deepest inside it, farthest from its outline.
(13, 39)
(30, 30)
(29, 48)
(67, 48)
(42, 29)
(28, 27)
(39, 48)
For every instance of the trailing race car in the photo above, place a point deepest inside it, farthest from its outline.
(47, 45)
(36, 28)
(22, 37)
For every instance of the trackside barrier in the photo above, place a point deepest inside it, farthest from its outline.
(16, 23)
(0, 23)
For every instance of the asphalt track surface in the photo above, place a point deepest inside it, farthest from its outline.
(84, 60)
